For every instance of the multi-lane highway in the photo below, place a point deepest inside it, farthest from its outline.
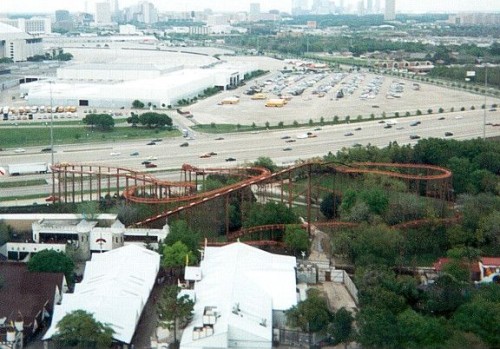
(247, 147)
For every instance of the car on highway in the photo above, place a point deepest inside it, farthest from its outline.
(206, 155)
(157, 140)
(52, 198)
(493, 109)
(290, 141)
(151, 143)
(46, 150)
(347, 134)
(152, 157)
(318, 129)
(115, 153)
(145, 162)
(448, 134)
(185, 144)
(20, 150)
(151, 165)
(219, 139)
(230, 159)
(287, 149)
(415, 123)
(459, 117)
(212, 153)
(387, 126)
(414, 137)
(134, 153)
(442, 118)
(357, 129)
(285, 137)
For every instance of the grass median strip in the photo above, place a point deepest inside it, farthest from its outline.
(25, 183)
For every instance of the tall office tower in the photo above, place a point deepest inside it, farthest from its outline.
(149, 13)
(361, 8)
(300, 7)
(369, 6)
(254, 9)
(102, 13)
(62, 15)
(390, 10)
(377, 6)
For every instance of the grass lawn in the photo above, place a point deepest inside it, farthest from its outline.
(33, 136)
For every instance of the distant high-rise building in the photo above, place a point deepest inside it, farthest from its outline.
(254, 9)
(33, 26)
(300, 7)
(149, 13)
(62, 15)
(361, 8)
(377, 6)
(390, 10)
(369, 6)
(102, 13)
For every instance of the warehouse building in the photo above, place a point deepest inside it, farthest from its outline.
(107, 86)
(18, 45)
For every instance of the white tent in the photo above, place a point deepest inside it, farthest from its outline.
(115, 288)
(240, 287)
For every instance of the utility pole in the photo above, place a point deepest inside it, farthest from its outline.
(485, 93)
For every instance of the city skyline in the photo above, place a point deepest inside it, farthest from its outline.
(402, 6)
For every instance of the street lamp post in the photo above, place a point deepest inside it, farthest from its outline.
(52, 141)
(485, 92)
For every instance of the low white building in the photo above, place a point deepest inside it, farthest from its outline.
(115, 87)
(115, 288)
(241, 294)
(17, 44)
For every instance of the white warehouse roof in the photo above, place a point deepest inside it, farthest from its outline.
(242, 285)
(115, 288)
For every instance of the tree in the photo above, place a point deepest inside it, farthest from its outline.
(310, 315)
(341, 327)
(174, 311)
(270, 213)
(5, 232)
(133, 119)
(330, 205)
(89, 209)
(266, 162)
(80, 329)
(180, 231)
(155, 120)
(137, 104)
(103, 122)
(177, 255)
(296, 238)
(52, 262)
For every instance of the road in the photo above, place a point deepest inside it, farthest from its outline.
(247, 147)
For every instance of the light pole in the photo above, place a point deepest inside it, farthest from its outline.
(52, 141)
(485, 92)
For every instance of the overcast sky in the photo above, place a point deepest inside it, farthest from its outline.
(405, 6)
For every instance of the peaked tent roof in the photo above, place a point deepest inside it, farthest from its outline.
(115, 288)
(245, 285)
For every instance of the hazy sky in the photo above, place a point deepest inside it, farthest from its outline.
(406, 6)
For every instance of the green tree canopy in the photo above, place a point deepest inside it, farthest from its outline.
(270, 213)
(310, 315)
(180, 231)
(52, 262)
(297, 239)
(79, 329)
(177, 255)
(155, 120)
(266, 162)
(103, 122)
(174, 311)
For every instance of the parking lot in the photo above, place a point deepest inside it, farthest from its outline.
(315, 105)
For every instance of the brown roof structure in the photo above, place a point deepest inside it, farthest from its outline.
(26, 294)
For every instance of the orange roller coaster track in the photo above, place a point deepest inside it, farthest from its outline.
(83, 181)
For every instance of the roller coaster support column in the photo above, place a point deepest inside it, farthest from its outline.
(309, 199)
(226, 204)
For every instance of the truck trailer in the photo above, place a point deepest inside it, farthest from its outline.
(22, 169)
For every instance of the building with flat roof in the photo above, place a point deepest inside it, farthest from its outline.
(390, 10)
(102, 13)
(34, 26)
(240, 293)
(116, 86)
(18, 45)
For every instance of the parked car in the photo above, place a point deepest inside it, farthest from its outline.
(151, 165)
(185, 144)
(414, 137)
(347, 134)
(230, 159)
(448, 134)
